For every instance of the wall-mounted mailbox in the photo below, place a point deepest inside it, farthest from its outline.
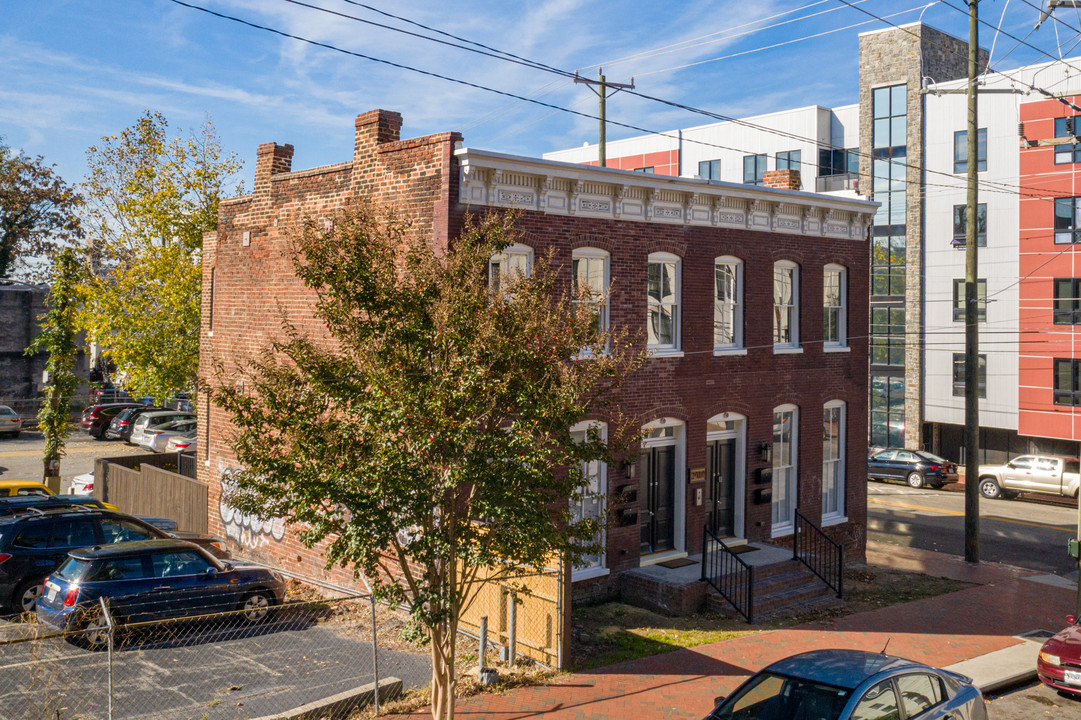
(628, 517)
(626, 493)
(763, 496)
(763, 475)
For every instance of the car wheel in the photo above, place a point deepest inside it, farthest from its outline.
(914, 480)
(25, 597)
(255, 606)
(990, 489)
(95, 633)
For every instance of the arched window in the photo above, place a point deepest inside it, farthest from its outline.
(834, 307)
(516, 261)
(727, 303)
(833, 461)
(785, 306)
(662, 324)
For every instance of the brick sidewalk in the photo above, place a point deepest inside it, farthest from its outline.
(683, 684)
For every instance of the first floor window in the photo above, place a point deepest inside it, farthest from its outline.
(1067, 382)
(785, 304)
(662, 324)
(709, 169)
(834, 291)
(509, 266)
(590, 500)
(887, 411)
(1067, 216)
(959, 375)
(1067, 301)
(785, 437)
(728, 306)
(754, 169)
(833, 465)
(959, 300)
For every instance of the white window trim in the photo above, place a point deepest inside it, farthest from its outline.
(673, 350)
(593, 253)
(602, 569)
(515, 249)
(787, 527)
(793, 346)
(737, 319)
(842, 316)
(839, 515)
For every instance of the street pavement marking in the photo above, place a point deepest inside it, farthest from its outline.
(1072, 531)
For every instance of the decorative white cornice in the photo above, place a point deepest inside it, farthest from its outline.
(558, 188)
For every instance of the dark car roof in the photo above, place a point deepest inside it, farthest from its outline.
(33, 513)
(133, 547)
(841, 668)
(114, 404)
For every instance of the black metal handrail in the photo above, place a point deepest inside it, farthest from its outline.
(819, 553)
(728, 574)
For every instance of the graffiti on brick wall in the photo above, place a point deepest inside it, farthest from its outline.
(248, 530)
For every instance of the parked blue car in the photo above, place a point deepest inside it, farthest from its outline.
(150, 580)
(851, 685)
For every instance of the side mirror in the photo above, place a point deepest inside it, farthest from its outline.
(211, 571)
(1071, 619)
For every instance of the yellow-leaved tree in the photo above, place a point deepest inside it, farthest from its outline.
(150, 197)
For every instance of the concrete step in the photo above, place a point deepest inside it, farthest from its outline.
(787, 588)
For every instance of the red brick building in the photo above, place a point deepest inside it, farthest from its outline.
(753, 299)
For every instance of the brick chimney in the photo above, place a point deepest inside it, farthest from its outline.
(784, 179)
(376, 127)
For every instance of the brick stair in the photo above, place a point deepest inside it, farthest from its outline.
(780, 589)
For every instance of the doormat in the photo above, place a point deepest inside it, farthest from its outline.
(740, 549)
(677, 563)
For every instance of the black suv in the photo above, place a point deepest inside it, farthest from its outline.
(120, 427)
(34, 542)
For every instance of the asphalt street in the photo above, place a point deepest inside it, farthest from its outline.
(20, 458)
(217, 673)
(1031, 702)
(1030, 532)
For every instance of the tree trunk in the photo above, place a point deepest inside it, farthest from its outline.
(443, 680)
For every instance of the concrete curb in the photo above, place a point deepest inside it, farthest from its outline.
(1002, 668)
(342, 705)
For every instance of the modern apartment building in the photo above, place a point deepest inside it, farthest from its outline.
(908, 134)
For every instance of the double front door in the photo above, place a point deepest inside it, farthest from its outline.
(721, 487)
(657, 498)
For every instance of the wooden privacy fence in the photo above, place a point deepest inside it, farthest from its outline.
(150, 485)
(525, 612)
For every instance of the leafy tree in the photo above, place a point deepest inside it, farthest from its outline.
(38, 213)
(58, 337)
(431, 438)
(150, 199)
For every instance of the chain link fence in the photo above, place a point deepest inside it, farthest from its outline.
(28, 408)
(257, 661)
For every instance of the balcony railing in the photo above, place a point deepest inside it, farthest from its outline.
(836, 183)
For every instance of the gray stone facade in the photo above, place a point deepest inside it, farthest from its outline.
(892, 57)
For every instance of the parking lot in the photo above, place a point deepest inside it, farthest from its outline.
(20, 458)
(218, 669)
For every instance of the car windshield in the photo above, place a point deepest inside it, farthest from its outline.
(933, 458)
(779, 697)
(72, 570)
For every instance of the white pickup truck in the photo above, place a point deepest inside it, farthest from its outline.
(1049, 474)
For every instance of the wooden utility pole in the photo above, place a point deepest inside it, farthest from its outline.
(972, 335)
(600, 86)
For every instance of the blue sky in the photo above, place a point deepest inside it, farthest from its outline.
(72, 71)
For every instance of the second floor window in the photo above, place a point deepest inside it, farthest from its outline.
(728, 303)
(960, 212)
(833, 306)
(1067, 382)
(589, 267)
(662, 323)
(959, 375)
(960, 150)
(1067, 227)
(709, 169)
(1067, 301)
(959, 300)
(754, 169)
(785, 305)
(505, 268)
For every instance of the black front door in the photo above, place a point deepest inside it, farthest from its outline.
(657, 498)
(721, 486)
